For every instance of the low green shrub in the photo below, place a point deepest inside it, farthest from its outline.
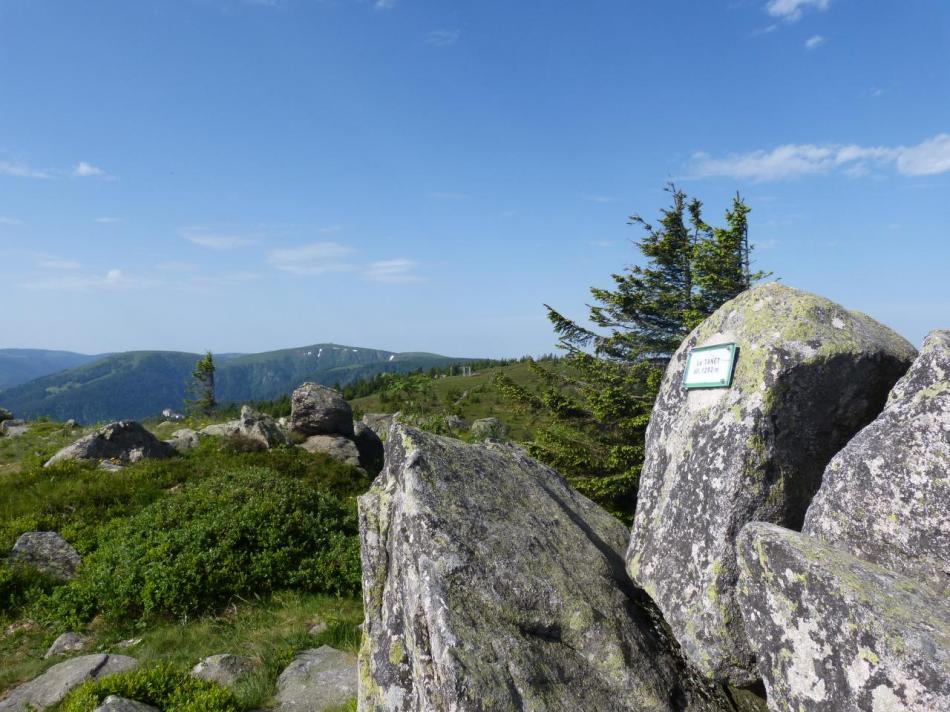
(20, 586)
(163, 686)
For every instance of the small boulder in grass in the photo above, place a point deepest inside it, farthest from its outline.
(67, 643)
(225, 669)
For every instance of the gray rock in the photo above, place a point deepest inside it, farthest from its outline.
(71, 423)
(336, 446)
(67, 643)
(184, 439)
(125, 440)
(222, 430)
(490, 584)
(5, 415)
(809, 374)
(379, 423)
(370, 448)
(109, 466)
(454, 422)
(488, 429)
(317, 680)
(833, 632)
(53, 685)
(886, 496)
(48, 552)
(14, 427)
(318, 410)
(114, 703)
(226, 670)
(261, 428)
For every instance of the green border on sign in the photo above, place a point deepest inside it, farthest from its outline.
(712, 384)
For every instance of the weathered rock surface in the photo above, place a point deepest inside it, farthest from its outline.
(809, 374)
(225, 669)
(114, 703)
(834, 632)
(318, 410)
(455, 422)
(54, 684)
(336, 446)
(317, 680)
(67, 643)
(886, 496)
(48, 552)
(13, 427)
(261, 428)
(125, 440)
(222, 430)
(489, 584)
(370, 448)
(488, 429)
(183, 440)
(380, 423)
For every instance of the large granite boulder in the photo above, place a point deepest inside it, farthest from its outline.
(317, 680)
(490, 584)
(53, 685)
(380, 423)
(886, 496)
(124, 440)
(336, 446)
(318, 410)
(370, 448)
(261, 428)
(48, 552)
(833, 632)
(808, 375)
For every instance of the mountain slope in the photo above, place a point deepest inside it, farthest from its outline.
(140, 384)
(22, 365)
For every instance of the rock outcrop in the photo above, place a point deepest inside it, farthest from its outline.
(225, 669)
(885, 497)
(318, 410)
(67, 643)
(125, 441)
(53, 685)
(380, 423)
(370, 448)
(488, 429)
(114, 703)
(260, 428)
(48, 552)
(317, 680)
(222, 430)
(834, 632)
(338, 447)
(183, 440)
(490, 584)
(809, 374)
(13, 427)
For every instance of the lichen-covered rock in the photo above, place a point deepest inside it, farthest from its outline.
(317, 680)
(488, 429)
(380, 423)
(69, 642)
(114, 703)
(228, 429)
(124, 440)
(808, 375)
(183, 440)
(886, 496)
(834, 632)
(261, 428)
(48, 552)
(225, 669)
(490, 584)
(318, 410)
(53, 685)
(336, 446)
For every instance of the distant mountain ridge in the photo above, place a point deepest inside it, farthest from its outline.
(140, 384)
(21, 365)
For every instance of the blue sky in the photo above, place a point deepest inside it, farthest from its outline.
(243, 175)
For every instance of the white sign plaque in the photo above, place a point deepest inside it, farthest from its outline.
(710, 367)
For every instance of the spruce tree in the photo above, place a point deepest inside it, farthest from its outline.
(201, 387)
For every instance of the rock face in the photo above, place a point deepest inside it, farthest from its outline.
(809, 374)
(114, 703)
(318, 410)
(48, 552)
(488, 429)
(370, 448)
(226, 670)
(380, 423)
(222, 430)
(183, 440)
(489, 584)
(886, 496)
(124, 440)
(336, 446)
(53, 685)
(317, 680)
(67, 643)
(261, 428)
(13, 427)
(837, 633)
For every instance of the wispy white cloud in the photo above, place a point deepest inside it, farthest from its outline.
(443, 38)
(791, 10)
(315, 258)
(59, 264)
(216, 241)
(109, 220)
(814, 41)
(384, 4)
(113, 279)
(397, 271)
(929, 157)
(20, 170)
(87, 170)
(439, 195)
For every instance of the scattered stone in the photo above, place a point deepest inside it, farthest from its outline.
(5, 415)
(488, 429)
(184, 439)
(833, 632)
(110, 466)
(125, 440)
(455, 422)
(886, 496)
(261, 428)
(14, 427)
(222, 430)
(53, 685)
(490, 584)
(48, 552)
(809, 374)
(336, 446)
(317, 627)
(226, 670)
(379, 423)
(370, 448)
(67, 643)
(128, 643)
(114, 703)
(317, 680)
(318, 410)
